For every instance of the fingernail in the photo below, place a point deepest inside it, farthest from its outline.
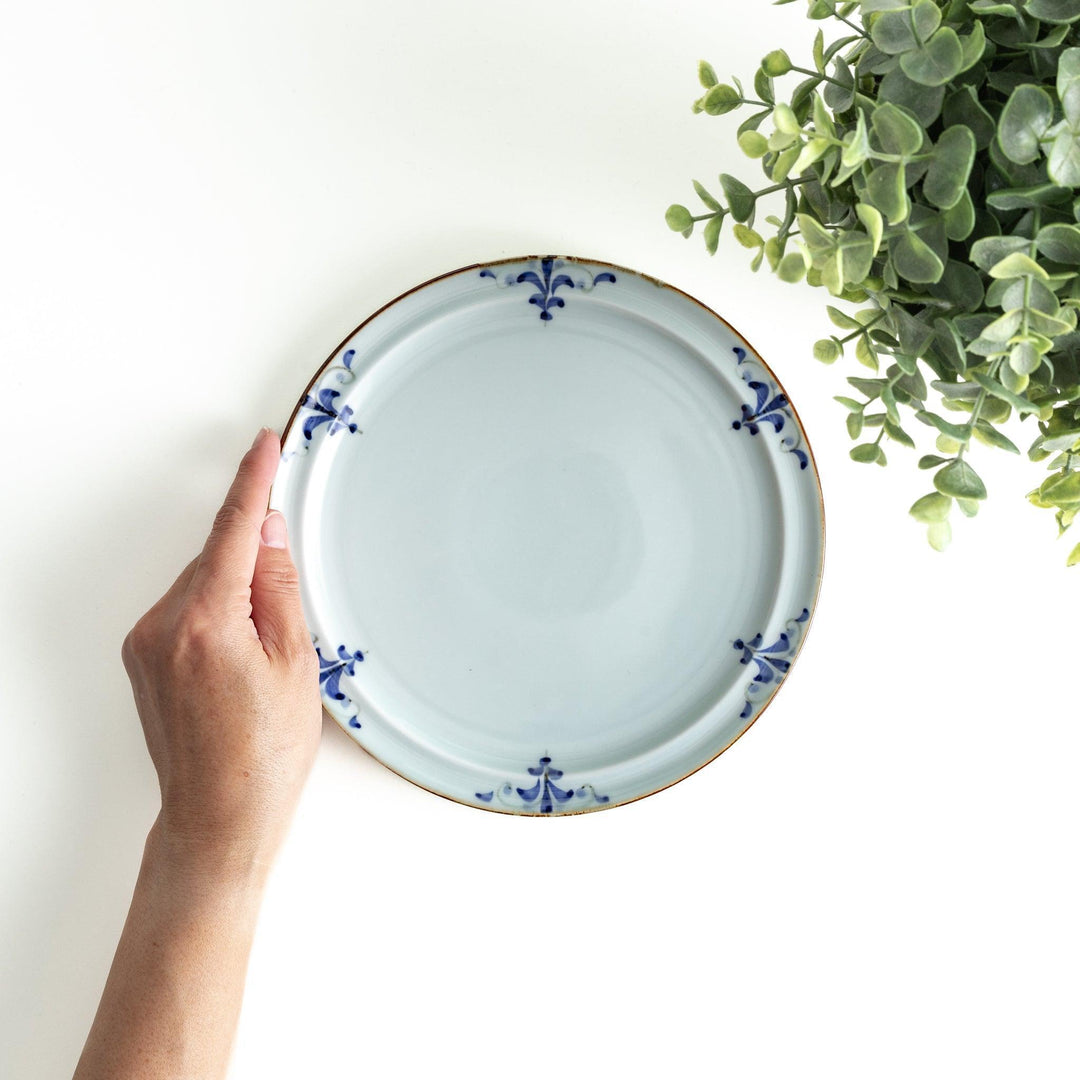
(273, 531)
(263, 433)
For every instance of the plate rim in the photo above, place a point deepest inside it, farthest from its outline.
(812, 608)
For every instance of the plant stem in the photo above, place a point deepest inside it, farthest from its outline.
(824, 78)
(977, 408)
(858, 29)
(785, 184)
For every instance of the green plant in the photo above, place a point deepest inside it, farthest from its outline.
(927, 164)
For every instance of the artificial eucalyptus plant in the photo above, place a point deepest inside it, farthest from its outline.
(926, 164)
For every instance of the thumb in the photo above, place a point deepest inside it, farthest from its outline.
(275, 593)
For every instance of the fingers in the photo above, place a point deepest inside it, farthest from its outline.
(228, 559)
(275, 594)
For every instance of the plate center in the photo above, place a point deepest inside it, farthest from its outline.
(553, 534)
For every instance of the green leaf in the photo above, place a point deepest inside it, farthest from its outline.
(1024, 120)
(1061, 442)
(865, 354)
(896, 131)
(1068, 84)
(939, 535)
(988, 434)
(937, 62)
(819, 51)
(924, 102)
(988, 7)
(931, 461)
(782, 165)
(1050, 326)
(763, 87)
(856, 144)
(972, 46)
(931, 508)
(990, 250)
(840, 93)
(960, 480)
(1061, 489)
(1003, 327)
(753, 121)
(867, 453)
(721, 99)
(1027, 197)
(823, 124)
(959, 391)
(858, 255)
(1063, 160)
(1024, 358)
(953, 431)
(678, 218)
(968, 507)
(1011, 380)
(776, 63)
(705, 197)
(747, 237)
(898, 434)
(870, 387)
(963, 107)
(827, 350)
(712, 233)
(841, 319)
(872, 222)
(914, 259)
(812, 152)
(1054, 11)
(740, 198)
(887, 191)
(1031, 293)
(753, 144)
(851, 404)
(992, 386)
(946, 179)
(895, 32)
(792, 267)
(854, 424)
(960, 219)
(1060, 242)
(706, 75)
(1017, 265)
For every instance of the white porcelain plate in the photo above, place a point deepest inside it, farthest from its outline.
(559, 533)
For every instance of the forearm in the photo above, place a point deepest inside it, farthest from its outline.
(173, 995)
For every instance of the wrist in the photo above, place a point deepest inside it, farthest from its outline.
(195, 867)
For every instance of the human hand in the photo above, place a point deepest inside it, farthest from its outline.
(226, 683)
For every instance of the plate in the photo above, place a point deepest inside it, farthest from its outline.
(559, 534)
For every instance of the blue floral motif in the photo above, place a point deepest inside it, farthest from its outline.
(772, 661)
(323, 405)
(545, 793)
(330, 671)
(547, 281)
(771, 406)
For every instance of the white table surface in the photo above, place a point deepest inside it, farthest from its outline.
(200, 200)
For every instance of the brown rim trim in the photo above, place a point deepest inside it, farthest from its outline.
(809, 449)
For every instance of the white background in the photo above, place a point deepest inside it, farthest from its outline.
(199, 201)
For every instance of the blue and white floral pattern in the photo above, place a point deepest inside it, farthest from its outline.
(322, 404)
(770, 406)
(331, 669)
(772, 661)
(546, 276)
(545, 795)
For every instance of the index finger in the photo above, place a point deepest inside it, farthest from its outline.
(228, 558)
